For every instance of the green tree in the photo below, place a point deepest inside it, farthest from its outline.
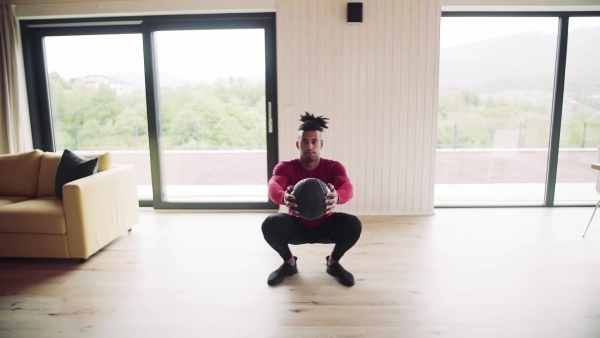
(229, 114)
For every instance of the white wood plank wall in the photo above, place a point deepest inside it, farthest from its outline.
(377, 82)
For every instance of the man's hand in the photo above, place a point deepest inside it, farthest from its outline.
(332, 198)
(288, 201)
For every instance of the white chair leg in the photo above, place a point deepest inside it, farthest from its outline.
(590, 222)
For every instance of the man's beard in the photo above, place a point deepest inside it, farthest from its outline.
(310, 157)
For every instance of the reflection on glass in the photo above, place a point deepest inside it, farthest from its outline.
(495, 99)
(580, 127)
(98, 99)
(213, 120)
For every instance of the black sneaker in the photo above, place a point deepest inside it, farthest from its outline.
(285, 270)
(337, 270)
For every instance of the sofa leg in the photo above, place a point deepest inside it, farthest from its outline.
(82, 260)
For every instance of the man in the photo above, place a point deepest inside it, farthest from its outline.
(281, 229)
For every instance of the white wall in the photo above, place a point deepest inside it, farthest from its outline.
(65, 8)
(377, 82)
(29, 9)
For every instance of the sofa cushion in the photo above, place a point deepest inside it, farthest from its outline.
(5, 200)
(49, 164)
(19, 173)
(72, 167)
(104, 158)
(39, 216)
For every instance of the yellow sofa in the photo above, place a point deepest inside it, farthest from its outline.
(94, 210)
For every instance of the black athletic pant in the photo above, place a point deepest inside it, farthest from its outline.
(282, 229)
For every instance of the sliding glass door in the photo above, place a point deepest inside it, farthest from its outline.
(189, 100)
(495, 109)
(213, 121)
(518, 119)
(97, 98)
(580, 124)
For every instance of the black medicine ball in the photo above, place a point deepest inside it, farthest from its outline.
(310, 194)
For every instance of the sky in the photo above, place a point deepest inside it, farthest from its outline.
(208, 54)
(189, 55)
(456, 31)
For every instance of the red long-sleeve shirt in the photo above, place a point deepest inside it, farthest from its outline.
(288, 173)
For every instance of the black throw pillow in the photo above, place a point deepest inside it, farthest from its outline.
(72, 167)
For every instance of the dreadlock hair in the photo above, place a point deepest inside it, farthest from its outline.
(310, 122)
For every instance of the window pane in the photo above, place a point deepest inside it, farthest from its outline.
(98, 98)
(495, 101)
(213, 119)
(580, 127)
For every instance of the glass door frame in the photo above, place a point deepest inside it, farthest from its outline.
(33, 32)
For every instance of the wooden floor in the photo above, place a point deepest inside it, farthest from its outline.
(523, 272)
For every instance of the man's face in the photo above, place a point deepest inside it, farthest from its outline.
(309, 143)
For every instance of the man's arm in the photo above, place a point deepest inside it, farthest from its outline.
(342, 183)
(278, 184)
(277, 189)
(280, 191)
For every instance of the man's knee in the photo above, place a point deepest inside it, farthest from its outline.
(268, 224)
(355, 224)
(352, 224)
(273, 223)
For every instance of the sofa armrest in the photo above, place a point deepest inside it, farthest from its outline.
(99, 208)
